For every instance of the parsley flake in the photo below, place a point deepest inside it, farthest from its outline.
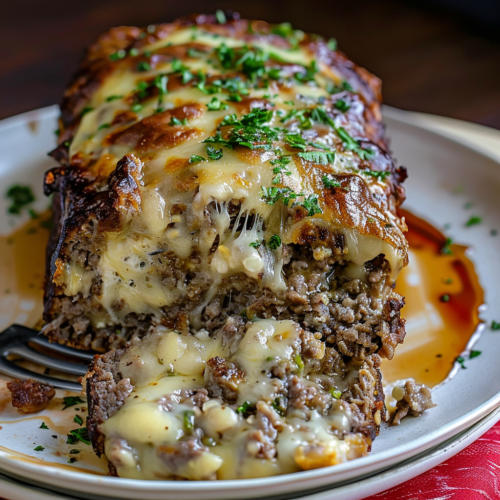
(77, 435)
(473, 221)
(256, 244)
(72, 401)
(330, 183)
(216, 105)
(43, 426)
(188, 420)
(39, 448)
(274, 242)
(321, 158)
(246, 409)
(78, 420)
(220, 16)
(19, 197)
(214, 154)
(143, 66)
(495, 325)
(335, 394)
(196, 159)
(446, 248)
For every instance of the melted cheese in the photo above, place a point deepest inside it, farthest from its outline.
(166, 363)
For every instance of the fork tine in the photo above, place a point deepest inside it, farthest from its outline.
(14, 371)
(57, 364)
(44, 342)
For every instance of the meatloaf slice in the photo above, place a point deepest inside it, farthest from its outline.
(267, 399)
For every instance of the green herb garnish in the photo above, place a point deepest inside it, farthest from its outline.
(256, 244)
(188, 420)
(86, 110)
(299, 362)
(216, 105)
(214, 154)
(72, 401)
(113, 98)
(378, 174)
(143, 66)
(78, 420)
(335, 393)
(341, 105)
(446, 249)
(77, 435)
(321, 158)
(274, 242)
(495, 325)
(473, 221)
(330, 183)
(39, 448)
(120, 54)
(196, 159)
(246, 409)
(19, 196)
(220, 16)
(43, 426)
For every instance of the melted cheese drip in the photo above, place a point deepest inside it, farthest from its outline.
(165, 363)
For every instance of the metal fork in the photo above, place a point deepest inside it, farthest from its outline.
(17, 340)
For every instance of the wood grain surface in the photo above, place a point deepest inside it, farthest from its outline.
(428, 60)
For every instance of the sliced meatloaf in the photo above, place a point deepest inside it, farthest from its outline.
(258, 399)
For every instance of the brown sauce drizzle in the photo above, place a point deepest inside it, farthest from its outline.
(443, 297)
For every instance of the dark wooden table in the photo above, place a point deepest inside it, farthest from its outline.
(428, 60)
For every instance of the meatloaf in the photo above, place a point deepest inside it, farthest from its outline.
(221, 181)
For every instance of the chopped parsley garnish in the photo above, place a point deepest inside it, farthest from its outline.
(250, 130)
(299, 362)
(39, 448)
(310, 204)
(333, 89)
(473, 221)
(335, 394)
(74, 452)
(352, 144)
(160, 82)
(184, 71)
(296, 141)
(120, 54)
(133, 52)
(379, 174)
(19, 197)
(256, 244)
(274, 242)
(308, 74)
(43, 426)
(330, 183)
(341, 105)
(216, 105)
(246, 409)
(220, 16)
(78, 420)
(136, 107)
(332, 44)
(143, 66)
(176, 122)
(77, 435)
(86, 110)
(286, 31)
(196, 159)
(280, 167)
(274, 194)
(72, 460)
(321, 158)
(446, 249)
(495, 325)
(448, 281)
(249, 60)
(72, 401)
(214, 154)
(279, 406)
(188, 420)
(472, 355)
(445, 298)
(103, 126)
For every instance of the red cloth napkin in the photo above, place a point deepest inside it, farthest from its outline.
(473, 474)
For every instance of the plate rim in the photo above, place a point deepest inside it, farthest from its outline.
(320, 477)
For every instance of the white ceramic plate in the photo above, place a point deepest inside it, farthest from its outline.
(356, 490)
(437, 166)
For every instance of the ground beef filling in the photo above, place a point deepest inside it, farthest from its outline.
(30, 396)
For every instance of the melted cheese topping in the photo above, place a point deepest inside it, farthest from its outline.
(159, 432)
(185, 203)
